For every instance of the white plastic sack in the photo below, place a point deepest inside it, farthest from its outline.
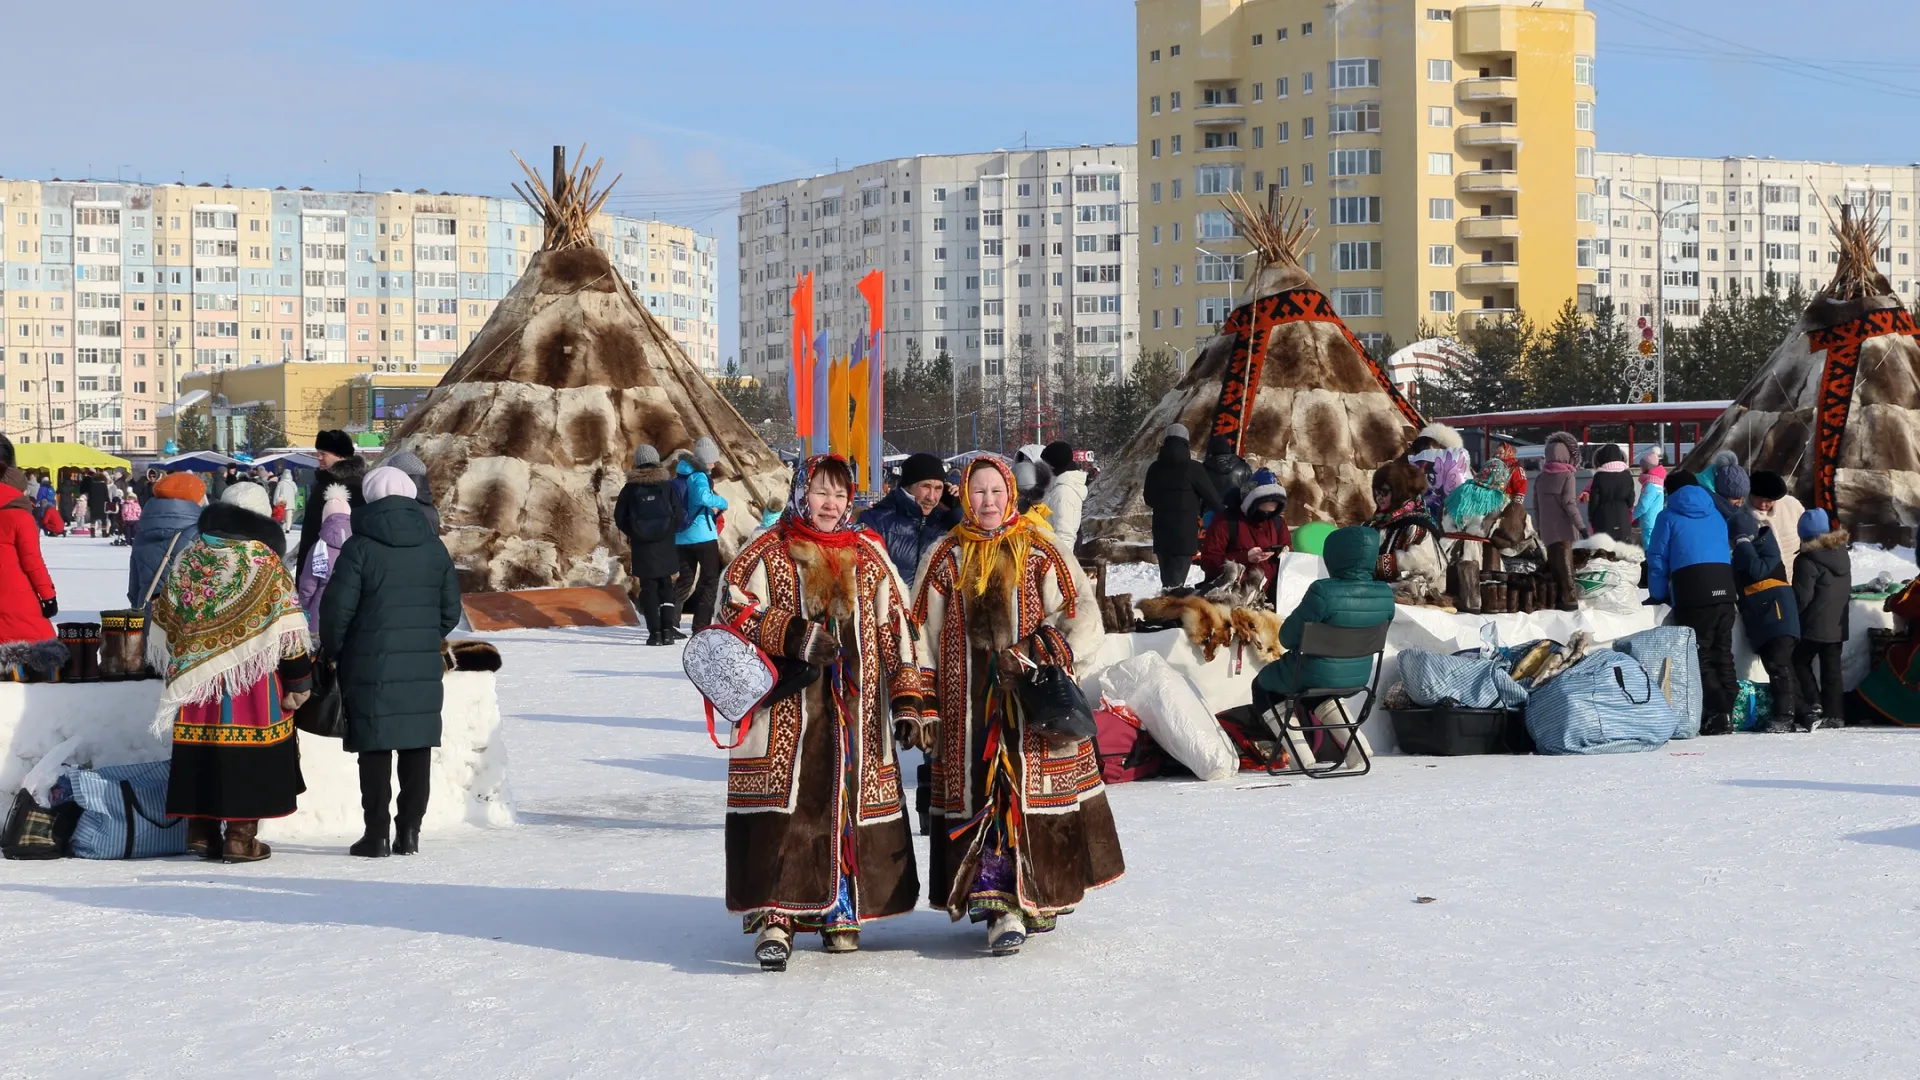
(1172, 714)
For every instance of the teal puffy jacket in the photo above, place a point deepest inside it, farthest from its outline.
(1348, 597)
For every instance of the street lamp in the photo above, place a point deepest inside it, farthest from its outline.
(1660, 288)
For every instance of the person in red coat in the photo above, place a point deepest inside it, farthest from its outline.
(1249, 532)
(27, 601)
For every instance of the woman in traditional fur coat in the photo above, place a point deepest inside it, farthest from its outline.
(817, 836)
(1021, 824)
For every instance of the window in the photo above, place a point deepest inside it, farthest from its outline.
(1440, 209)
(1440, 301)
(1353, 163)
(1356, 255)
(1216, 179)
(1440, 164)
(1356, 210)
(1439, 116)
(1440, 255)
(1583, 115)
(1358, 303)
(1343, 120)
(1348, 74)
(1216, 225)
(1583, 71)
(1220, 140)
(1439, 71)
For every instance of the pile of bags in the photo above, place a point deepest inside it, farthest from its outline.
(1575, 699)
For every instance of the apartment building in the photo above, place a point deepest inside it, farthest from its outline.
(1671, 233)
(1444, 150)
(113, 293)
(991, 258)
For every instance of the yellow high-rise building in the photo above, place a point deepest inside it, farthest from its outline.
(1444, 150)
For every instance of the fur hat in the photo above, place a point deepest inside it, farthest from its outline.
(706, 452)
(644, 456)
(1059, 458)
(1814, 523)
(1442, 436)
(385, 481)
(250, 497)
(919, 468)
(1732, 482)
(334, 441)
(182, 485)
(1177, 431)
(1768, 485)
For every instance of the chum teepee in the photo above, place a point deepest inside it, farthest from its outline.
(1286, 381)
(529, 436)
(1836, 408)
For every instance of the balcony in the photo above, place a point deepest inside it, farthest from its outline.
(1490, 273)
(1482, 91)
(1490, 135)
(1489, 182)
(1490, 227)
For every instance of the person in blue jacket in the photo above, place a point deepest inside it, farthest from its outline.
(698, 538)
(914, 515)
(1768, 610)
(1690, 566)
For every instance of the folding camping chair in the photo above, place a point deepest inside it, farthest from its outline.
(1289, 719)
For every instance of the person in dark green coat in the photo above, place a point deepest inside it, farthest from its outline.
(392, 600)
(1348, 597)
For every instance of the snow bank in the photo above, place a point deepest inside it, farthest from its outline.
(112, 719)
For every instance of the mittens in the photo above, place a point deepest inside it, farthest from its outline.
(50, 607)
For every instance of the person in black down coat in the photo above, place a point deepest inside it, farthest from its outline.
(392, 600)
(648, 512)
(1610, 496)
(914, 515)
(1177, 489)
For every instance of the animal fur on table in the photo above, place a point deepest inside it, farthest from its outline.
(1212, 627)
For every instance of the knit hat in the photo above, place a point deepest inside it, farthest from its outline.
(182, 485)
(919, 468)
(1732, 482)
(335, 442)
(1177, 431)
(1059, 458)
(644, 456)
(1768, 485)
(248, 496)
(384, 481)
(706, 453)
(1814, 523)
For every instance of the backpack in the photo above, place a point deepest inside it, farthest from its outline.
(654, 516)
(682, 494)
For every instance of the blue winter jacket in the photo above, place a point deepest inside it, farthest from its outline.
(908, 533)
(1689, 562)
(702, 503)
(160, 521)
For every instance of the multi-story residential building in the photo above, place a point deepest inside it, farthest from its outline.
(1444, 150)
(113, 293)
(1674, 232)
(991, 258)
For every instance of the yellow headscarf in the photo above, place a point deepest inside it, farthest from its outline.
(999, 554)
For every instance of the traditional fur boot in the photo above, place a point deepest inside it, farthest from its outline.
(243, 843)
(772, 947)
(1006, 933)
(203, 837)
(841, 941)
(1560, 560)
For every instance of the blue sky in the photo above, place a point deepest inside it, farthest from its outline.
(695, 100)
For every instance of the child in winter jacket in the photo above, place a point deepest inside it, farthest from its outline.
(1768, 610)
(1690, 566)
(1823, 590)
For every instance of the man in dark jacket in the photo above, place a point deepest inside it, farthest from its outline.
(1769, 611)
(1226, 470)
(392, 599)
(1177, 489)
(1823, 589)
(914, 515)
(648, 513)
(169, 524)
(1690, 566)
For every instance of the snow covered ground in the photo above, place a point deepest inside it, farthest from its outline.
(1736, 907)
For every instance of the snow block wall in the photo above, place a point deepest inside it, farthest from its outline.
(113, 719)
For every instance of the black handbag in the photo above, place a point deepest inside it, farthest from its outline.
(1053, 704)
(321, 714)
